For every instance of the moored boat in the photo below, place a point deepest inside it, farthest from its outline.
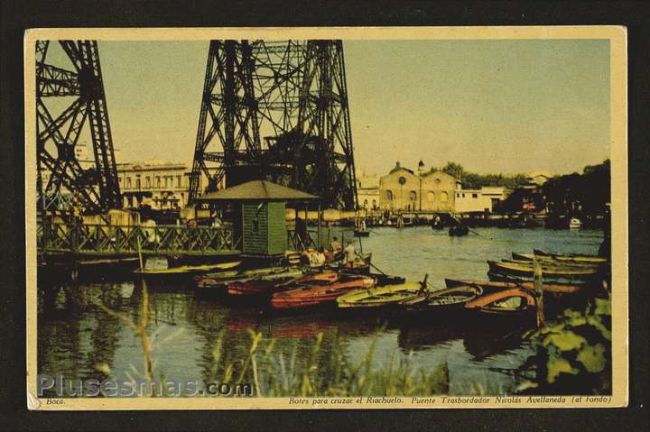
(442, 300)
(316, 295)
(319, 278)
(189, 270)
(388, 295)
(509, 269)
(569, 257)
(546, 264)
(263, 285)
(578, 259)
(223, 278)
(489, 286)
(514, 302)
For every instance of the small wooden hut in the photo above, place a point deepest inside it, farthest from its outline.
(263, 226)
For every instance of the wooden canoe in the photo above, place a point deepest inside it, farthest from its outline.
(512, 301)
(223, 278)
(488, 285)
(320, 278)
(379, 297)
(559, 259)
(264, 285)
(188, 270)
(316, 295)
(527, 271)
(569, 257)
(443, 300)
(553, 264)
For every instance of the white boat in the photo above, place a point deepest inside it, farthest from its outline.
(575, 223)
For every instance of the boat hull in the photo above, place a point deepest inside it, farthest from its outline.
(318, 295)
(381, 297)
(508, 269)
(489, 286)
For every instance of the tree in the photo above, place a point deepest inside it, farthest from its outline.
(454, 169)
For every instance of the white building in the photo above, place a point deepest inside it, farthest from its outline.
(368, 191)
(161, 185)
(479, 200)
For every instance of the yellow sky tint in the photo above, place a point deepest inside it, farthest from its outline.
(491, 105)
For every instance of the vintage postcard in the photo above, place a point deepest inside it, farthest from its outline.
(326, 218)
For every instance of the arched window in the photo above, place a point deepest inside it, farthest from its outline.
(413, 195)
(444, 197)
(389, 195)
(431, 197)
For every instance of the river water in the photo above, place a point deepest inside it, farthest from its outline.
(77, 339)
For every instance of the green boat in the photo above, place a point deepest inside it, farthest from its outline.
(379, 297)
(510, 269)
(220, 279)
(187, 270)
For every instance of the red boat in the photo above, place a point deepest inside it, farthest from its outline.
(515, 302)
(316, 295)
(262, 285)
(324, 277)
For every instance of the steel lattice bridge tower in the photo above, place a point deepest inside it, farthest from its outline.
(71, 103)
(276, 110)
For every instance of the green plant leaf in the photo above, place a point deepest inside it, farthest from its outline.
(603, 307)
(595, 322)
(557, 366)
(593, 358)
(565, 341)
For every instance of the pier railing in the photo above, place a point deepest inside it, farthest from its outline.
(127, 240)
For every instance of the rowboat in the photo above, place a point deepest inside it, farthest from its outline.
(489, 286)
(379, 297)
(545, 264)
(458, 230)
(559, 258)
(187, 270)
(216, 279)
(262, 285)
(509, 269)
(514, 302)
(223, 278)
(316, 295)
(443, 300)
(320, 278)
(570, 257)
(361, 233)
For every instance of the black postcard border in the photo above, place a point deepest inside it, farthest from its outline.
(18, 16)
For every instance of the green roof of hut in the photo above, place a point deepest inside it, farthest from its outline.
(258, 190)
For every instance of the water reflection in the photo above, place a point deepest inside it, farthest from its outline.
(193, 336)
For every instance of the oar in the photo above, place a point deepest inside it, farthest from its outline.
(377, 268)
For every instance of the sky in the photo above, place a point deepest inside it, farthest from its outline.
(508, 106)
